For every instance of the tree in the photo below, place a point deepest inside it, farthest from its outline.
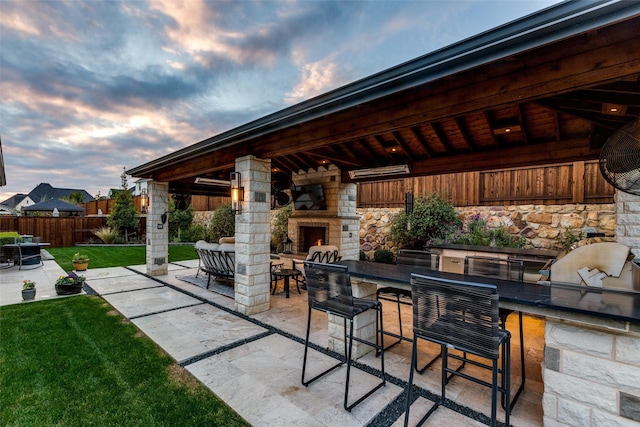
(179, 220)
(76, 198)
(124, 215)
(280, 228)
(223, 223)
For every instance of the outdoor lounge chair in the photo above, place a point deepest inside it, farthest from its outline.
(326, 254)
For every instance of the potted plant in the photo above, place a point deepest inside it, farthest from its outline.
(80, 262)
(69, 284)
(28, 290)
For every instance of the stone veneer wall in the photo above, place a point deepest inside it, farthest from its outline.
(591, 375)
(628, 221)
(541, 225)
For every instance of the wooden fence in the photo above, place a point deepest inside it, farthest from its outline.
(577, 182)
(59, 231)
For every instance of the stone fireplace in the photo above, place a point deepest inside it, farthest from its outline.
(338, 225)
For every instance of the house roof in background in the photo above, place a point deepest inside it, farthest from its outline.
(51, 204)
(45, 191)
(14, 200)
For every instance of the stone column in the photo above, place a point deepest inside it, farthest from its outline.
(157, 231)
(591, 374)
(349, 242)
(628, 221)
(253, 235)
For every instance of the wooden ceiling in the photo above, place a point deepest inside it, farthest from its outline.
(551, 103)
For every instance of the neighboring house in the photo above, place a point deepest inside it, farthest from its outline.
(9, 206)
(51, 206)
(139, 187)
(42, 193)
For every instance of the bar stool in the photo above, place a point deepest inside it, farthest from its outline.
(462, 316)
(507, 269)
(423, 259)
(329, 290)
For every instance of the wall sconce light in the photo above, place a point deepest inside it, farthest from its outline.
(237, 192)
(163, 218)
(408, 203)
(144, 200)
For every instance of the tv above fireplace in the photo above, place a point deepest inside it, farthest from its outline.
(308, 197)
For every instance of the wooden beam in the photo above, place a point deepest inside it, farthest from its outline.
(535, 154)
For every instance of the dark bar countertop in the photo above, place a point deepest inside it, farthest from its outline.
(617, 305)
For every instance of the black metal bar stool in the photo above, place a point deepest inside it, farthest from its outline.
(425, 259)
(329, 290)
(507, 269)
(462, 316)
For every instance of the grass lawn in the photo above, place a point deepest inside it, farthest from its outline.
(75, 361)
(116, 256)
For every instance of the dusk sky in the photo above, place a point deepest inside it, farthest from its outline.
(88, 88)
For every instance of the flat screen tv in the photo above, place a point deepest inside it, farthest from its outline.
(309, 197)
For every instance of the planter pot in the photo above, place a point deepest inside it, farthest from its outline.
(80, 265)
(69, 289)
(29, 294)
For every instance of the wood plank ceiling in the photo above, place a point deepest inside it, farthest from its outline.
(553, 103)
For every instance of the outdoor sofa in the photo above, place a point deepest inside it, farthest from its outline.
(216, 259)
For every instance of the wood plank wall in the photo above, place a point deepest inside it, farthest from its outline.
(577, 182)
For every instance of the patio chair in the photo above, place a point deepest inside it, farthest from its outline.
(274, 268)
(462, 316)
(329, 290)
(425, 259)
(28, 253)
(507, 269)
(327, 254)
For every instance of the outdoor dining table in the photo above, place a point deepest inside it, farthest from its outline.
(25, 250)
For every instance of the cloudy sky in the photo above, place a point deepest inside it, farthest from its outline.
(87, 88)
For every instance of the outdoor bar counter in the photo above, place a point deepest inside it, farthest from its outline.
(591, 368)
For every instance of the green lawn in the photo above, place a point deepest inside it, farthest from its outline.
(116, 256)
(75, 361)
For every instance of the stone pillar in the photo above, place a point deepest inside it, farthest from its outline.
(349, 242)
(591, 375)
(253, 235)
(364, 325)
(157, 231)
(628, 221)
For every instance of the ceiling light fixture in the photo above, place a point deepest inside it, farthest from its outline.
(212, 181)
(614, 109)
(379, 172)
(507, 129)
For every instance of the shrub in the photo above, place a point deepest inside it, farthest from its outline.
(432, 218)
(179, 222)
(384, 256)
(194, 233)
(223, 223)
(280, 228)
(107, 234)
(569, 238)
(363, 256)
(478, 234)
(8, 237)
